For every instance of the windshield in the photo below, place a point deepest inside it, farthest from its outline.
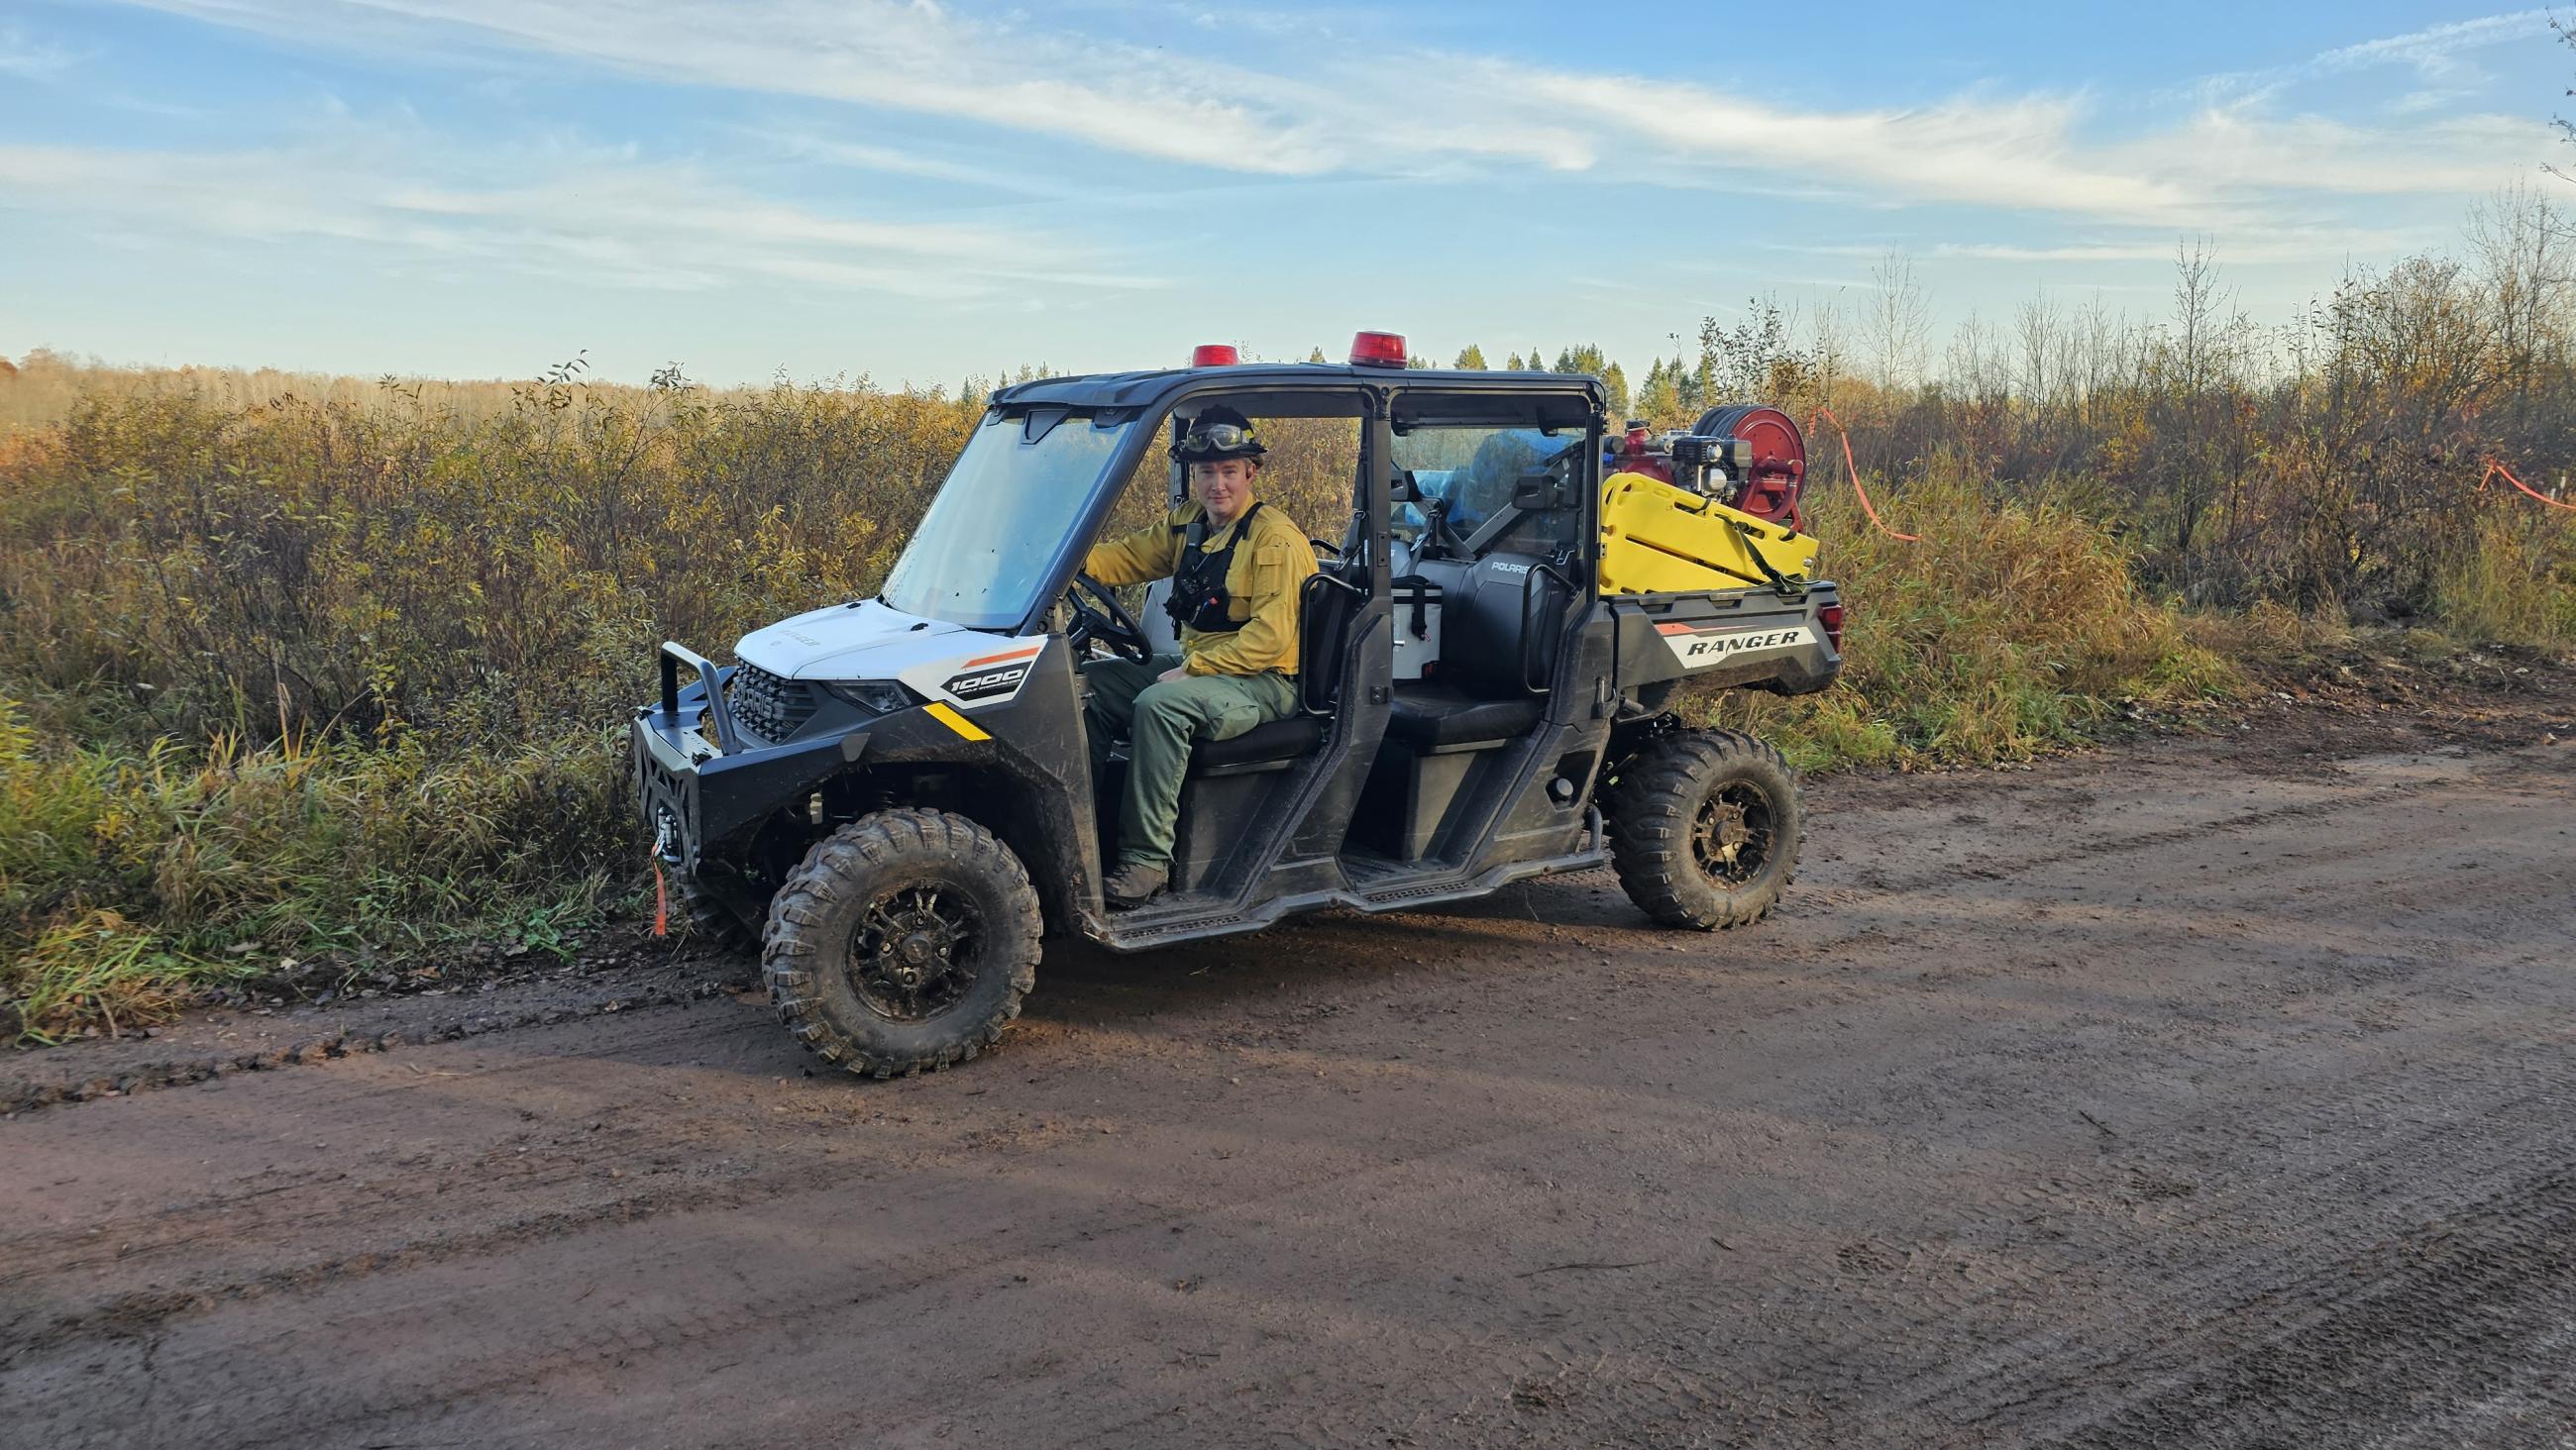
(983, 551)
(1473, 468)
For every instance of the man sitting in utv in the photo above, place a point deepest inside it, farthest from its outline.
(1236, 566)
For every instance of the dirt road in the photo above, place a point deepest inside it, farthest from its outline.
(2173, 1097)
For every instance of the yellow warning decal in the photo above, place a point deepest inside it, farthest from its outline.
(947, 715)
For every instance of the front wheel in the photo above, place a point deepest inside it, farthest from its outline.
(1706, 830)
(905, 941)
(706, 916)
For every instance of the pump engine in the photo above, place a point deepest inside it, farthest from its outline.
(1747, 456)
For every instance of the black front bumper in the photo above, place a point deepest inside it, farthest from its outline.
(699, 795)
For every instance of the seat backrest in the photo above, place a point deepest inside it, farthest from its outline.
(1500, 620)
(1325, 607)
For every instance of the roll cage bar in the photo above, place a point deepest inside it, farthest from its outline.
(1275, 390)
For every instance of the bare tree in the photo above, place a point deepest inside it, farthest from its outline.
(1978, 367)
(2196, 370)
(2036, 335)
(2527, 263)
(2201, 301)
(1898, 321)
(2101, 349)
(2566, 128)
(1830, 353)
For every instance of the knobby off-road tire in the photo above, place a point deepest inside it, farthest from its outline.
(903, 942)
(707, 917)
(1707, 829)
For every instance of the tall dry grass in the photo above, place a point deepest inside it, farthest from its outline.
(299, 568)
(295, 668)
(335, 674)
(2329, 464)
(309, 668)
(2013, 626)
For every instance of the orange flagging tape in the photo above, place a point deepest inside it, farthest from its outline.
(1853, 469)
(2497, 470)
(661, 900)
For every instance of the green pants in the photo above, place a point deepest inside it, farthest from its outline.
(1160, 719)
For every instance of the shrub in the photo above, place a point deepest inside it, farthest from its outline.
(303, 568)
(295, 665)
(2515, 583)
(128, 879)
(2010, 628)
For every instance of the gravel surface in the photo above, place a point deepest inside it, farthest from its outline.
(2204, 1093)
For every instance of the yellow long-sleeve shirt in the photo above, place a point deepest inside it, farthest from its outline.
(1261, 586)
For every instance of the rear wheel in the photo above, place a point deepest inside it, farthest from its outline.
(1707, 829)
(905, 941)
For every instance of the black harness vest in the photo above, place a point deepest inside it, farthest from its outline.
(1198, 600)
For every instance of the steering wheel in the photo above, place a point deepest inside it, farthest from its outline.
(1109, 623)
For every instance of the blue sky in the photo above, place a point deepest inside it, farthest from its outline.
(918, 191)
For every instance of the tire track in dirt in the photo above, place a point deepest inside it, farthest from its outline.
(2383, 1344)
(1974, 1174)
(649, 1339)
(2381, 1180)
(329, 1044)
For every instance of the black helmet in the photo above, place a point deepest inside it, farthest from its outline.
(1218, 432)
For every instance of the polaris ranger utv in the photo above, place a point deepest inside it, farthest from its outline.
(897, 790)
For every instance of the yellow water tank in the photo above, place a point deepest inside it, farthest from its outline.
(1658, 539)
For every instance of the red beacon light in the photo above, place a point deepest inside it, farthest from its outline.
(1215, 355)
(1378, 350)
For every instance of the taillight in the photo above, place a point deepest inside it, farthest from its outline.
(1215, 355)
(1831, 617)
(1378, 350)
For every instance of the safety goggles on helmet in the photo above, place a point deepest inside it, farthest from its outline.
(1210, 441)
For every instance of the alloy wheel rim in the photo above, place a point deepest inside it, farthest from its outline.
(1731, 838)
(913, 952)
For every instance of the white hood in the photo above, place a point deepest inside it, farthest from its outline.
(965, 667)
(863, 641)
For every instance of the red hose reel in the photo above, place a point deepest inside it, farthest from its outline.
(1779, 468)
(1768, 485)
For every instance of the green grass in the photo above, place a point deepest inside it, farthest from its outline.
(2517, 586)
(131, 880)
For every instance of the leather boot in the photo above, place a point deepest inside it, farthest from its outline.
(1134, 884)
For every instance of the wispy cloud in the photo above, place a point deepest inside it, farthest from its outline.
(2240, 155)
(2437, 54)
(2291, 244)
(806, 145)
(1321, 109)
(2013, 152)
(25, 56)
(2294, 247)
(597, 216)
(917, 58)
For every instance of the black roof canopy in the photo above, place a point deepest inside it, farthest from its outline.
(1092, 392)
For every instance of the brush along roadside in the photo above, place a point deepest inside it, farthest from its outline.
(2007, 630)
(132, 878)
(133, 882)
